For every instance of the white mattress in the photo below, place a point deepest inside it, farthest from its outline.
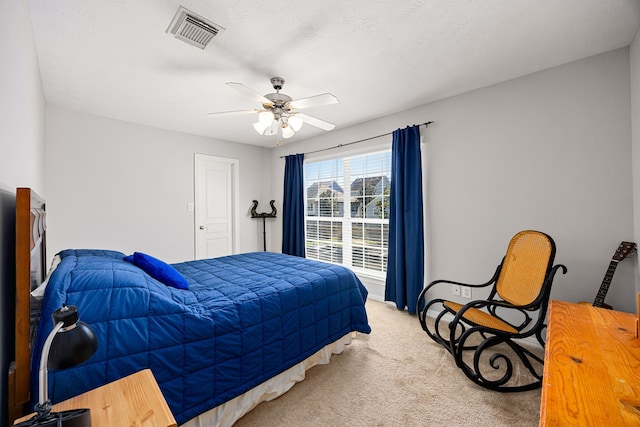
(229, 412)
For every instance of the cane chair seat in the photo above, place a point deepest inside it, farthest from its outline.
(481, 318)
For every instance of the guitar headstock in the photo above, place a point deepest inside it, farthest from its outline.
(624, 250)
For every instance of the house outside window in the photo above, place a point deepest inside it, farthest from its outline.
(347, 211)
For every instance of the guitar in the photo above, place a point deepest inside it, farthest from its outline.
(624, 250)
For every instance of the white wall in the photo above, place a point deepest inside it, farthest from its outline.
(122, 186)
(21, 156)
(21, 102)
(549, 151)
(635, 127)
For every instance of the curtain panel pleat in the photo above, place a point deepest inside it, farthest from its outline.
(405, 267)
(293, 206)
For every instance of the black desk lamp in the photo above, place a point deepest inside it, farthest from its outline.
(70, 343)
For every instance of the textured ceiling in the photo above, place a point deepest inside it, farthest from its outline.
(113, 58)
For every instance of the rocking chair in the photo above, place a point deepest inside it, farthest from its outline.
(514, 311)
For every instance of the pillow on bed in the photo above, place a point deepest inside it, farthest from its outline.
(159, 270)
(39, 291)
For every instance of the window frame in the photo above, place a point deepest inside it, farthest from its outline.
(347, 220)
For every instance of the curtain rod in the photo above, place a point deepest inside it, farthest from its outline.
(355, 142)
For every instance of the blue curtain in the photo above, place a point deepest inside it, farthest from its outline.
(405, 266)
(293, 206)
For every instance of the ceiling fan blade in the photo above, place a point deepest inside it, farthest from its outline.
(248, 91)
(233, 113)
(313, 101)
(317, 122)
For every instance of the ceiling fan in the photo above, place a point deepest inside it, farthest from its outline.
(280, 111)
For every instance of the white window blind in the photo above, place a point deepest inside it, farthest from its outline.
(347, 211)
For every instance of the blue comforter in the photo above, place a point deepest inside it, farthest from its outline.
(244, 319)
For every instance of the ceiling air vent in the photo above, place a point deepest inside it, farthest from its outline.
(193, 29)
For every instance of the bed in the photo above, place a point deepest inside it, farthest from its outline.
(244, 331)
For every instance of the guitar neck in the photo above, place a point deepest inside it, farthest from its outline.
(604, 287)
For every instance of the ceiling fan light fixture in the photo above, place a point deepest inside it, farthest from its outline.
(266, 117)
(271, 130)
(295, 122)
(287, 132)
(261, 127)
(279, 112)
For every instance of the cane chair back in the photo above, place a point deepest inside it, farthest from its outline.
(525, 266)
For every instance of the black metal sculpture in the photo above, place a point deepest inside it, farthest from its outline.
(264, 216)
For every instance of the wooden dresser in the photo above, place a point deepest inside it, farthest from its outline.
(591, 369)
(135, 400)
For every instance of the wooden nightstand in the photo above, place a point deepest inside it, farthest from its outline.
(135, 400)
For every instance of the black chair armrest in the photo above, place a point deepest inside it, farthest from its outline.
(451, 282)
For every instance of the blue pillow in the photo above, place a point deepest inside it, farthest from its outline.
(159, 270)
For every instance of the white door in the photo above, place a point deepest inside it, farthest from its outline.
(216, 210)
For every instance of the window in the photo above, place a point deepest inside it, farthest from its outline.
(347, 211)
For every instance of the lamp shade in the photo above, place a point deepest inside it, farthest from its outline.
(272, 130)
(74, 343)
(266, 117)
(72, 347)
(287, 132)
(260, 127)
(295, 122)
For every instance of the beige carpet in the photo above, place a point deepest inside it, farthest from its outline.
(396, 376)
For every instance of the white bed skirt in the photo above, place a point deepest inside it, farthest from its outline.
(226, 414)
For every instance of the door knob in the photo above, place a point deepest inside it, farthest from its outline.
(202, 227)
